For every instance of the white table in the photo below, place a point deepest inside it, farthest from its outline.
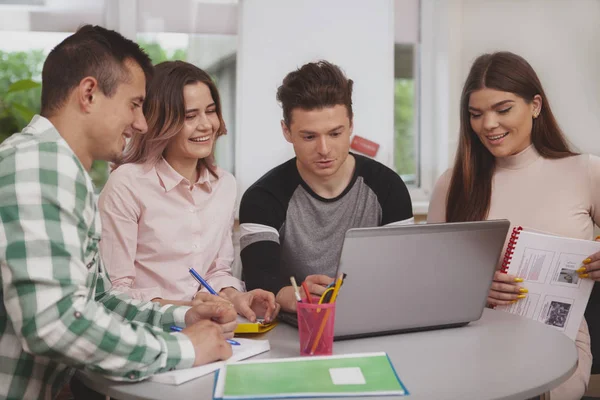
(501, 356)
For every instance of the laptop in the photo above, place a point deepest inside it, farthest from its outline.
(416, 277)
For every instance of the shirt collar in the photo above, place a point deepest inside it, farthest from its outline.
(39, 125)
(171, 178)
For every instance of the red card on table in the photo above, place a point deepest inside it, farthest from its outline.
(364, 146)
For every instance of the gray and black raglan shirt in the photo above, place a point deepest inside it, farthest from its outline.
(289, 230)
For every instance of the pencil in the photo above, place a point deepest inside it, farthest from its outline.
(307, 292)
(296, 290)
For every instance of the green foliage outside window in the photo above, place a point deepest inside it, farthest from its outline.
(158, 54)
(404, 138)
(20, 92)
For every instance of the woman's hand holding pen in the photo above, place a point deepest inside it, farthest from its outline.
(252, 304)
(505, 290)
(591, 266)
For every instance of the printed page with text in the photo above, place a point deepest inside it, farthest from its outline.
(547, 264)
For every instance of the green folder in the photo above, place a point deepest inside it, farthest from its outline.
(364, 374)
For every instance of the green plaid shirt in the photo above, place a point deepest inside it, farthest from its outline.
(58, 310)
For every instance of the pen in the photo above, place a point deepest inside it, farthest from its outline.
(202, 281)
(296, 290)
(231, 342)
(307, 292)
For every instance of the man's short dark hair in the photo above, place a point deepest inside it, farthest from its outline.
(315, 86)
(91, 51)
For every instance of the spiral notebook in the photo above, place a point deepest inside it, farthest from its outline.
(547, 264)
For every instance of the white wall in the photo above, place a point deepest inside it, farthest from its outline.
(559, 38)
(406, 21)
(278, 36)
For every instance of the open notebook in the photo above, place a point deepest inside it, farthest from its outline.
(366, 374)
(548, 266)
(247, 348)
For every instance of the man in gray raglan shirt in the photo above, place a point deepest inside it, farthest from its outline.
(293, 219)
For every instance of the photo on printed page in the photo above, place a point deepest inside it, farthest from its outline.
(556, 311)
(535, 265)
(565, 273)
(568, 276)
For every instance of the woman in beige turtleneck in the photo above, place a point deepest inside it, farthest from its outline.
(513, 162)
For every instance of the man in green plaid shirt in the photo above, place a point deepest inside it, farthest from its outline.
(58, 311)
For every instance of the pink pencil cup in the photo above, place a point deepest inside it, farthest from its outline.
(316, 324)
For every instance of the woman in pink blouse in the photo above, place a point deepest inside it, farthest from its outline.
(167, 207)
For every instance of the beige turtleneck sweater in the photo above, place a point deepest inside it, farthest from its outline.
(556, 196)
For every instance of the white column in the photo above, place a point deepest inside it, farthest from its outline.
(122, 16)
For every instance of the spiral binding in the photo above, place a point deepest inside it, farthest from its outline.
(510, 249)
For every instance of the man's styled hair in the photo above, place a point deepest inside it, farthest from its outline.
(91, 51)
(315, 86)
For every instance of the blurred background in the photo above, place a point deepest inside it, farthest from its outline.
(408, 58)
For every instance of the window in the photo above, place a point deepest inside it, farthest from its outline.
(405, 133)
(29, 30)
(22, 56)
(413, 73)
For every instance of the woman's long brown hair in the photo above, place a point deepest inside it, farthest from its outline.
(164, 109)
(471, 183)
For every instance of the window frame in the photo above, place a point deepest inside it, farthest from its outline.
(433, 80)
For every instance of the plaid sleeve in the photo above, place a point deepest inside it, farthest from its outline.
(50, 268)
(138, 310)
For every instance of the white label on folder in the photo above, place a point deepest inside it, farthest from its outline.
(347, 376)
